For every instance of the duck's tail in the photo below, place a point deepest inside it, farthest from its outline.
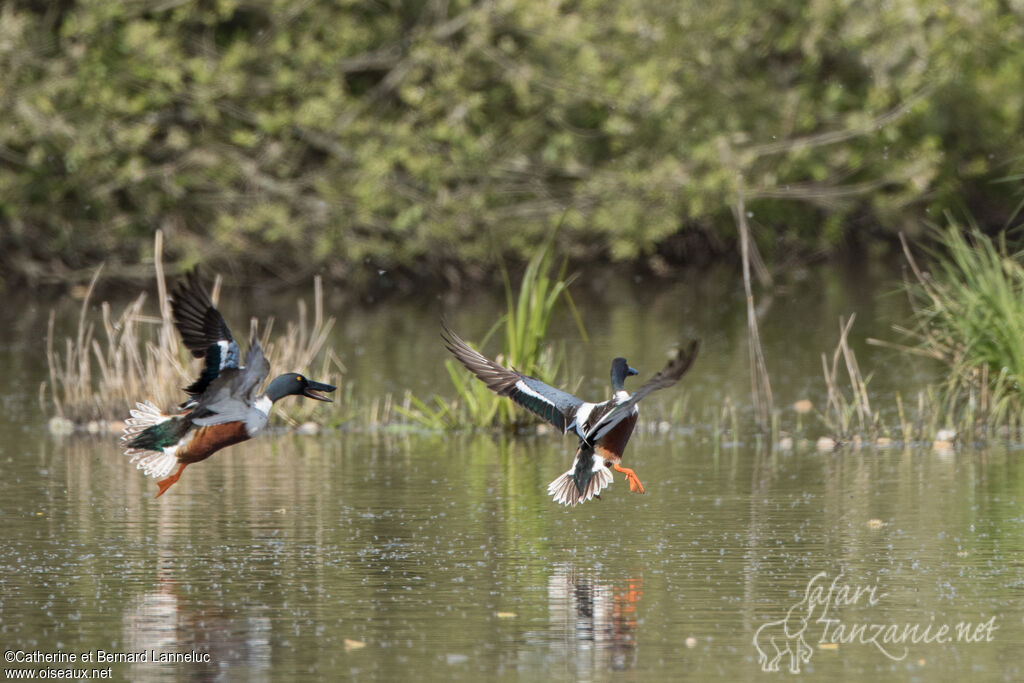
(150, 438)
(588, 477)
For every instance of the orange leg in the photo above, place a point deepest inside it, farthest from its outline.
(634, 481)
(165, 484)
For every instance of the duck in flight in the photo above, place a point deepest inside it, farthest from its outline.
(225, 405)
(603, 428)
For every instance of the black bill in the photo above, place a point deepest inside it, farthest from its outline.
(313, 389)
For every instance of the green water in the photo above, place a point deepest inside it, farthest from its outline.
(368, 555)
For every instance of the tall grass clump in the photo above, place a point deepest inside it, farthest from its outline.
(969, 315)
(523, 328)
(97, 375)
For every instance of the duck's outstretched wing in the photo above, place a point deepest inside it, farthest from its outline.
(203, 330)
(668, 376)
(556, 406)
(232, 396)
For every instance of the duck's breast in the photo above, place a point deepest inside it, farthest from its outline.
(612, 445)
(208, 440)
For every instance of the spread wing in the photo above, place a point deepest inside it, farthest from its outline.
(203, 330)
(668, 376)
(556, 406)
(232, 395)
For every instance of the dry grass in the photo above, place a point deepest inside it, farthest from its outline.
(841, 410)
(760, 381)
(97, 377)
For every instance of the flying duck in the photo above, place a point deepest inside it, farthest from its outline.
(224, 404)
(603, 428)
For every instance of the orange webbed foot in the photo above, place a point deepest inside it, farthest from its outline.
(165, 484)
(634, 481)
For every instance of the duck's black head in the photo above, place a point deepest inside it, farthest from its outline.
(620, 371)
(294, 384)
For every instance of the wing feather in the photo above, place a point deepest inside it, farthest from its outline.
(553, 405)
(669, 375)
(203, 330)
(231, 397)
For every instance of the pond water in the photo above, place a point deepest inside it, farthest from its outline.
(399, 554)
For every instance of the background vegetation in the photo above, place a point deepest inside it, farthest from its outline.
(969, 315)
(524, 328)
(95, 378)
(427, 138)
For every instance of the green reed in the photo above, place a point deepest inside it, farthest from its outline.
(523, 328)
(969, 316)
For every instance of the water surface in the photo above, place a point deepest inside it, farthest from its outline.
(371, 555)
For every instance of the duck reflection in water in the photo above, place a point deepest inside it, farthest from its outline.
(226, 640)
(596, 620)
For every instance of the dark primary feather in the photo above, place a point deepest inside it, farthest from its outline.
(211, 369)
(557, 407)
(668, 376)
(195, 316)
(203, 330)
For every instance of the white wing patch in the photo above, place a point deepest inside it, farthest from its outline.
(228, 354)
(525, 388)
(580, 421)
(225, 356)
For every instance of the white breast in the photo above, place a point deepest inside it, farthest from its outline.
(263, 404)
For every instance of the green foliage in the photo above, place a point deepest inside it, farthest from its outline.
(969, 314)
(525, 326)
(352, 137)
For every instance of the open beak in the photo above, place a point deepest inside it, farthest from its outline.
(312, 390)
